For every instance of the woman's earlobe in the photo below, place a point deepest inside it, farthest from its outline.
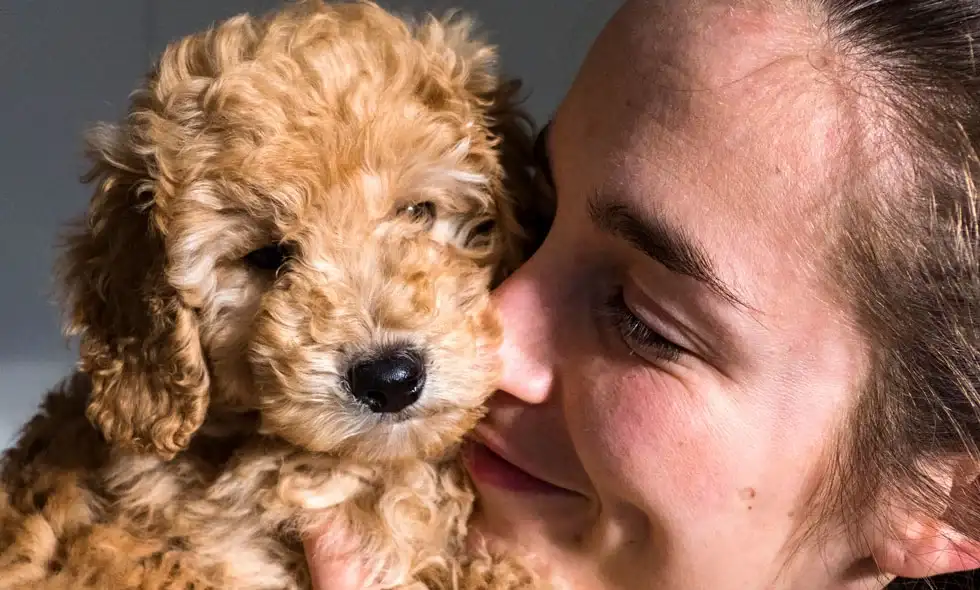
(916, 544)
(926, 548)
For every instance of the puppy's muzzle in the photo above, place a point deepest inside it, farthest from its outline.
(388, 383)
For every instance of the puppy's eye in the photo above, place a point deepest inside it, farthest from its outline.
(269, 257)
(424, 212)
(481, 234)
(485, 227)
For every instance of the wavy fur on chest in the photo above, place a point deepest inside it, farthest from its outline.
(225, 514)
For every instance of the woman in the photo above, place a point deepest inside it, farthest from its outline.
(746, 355)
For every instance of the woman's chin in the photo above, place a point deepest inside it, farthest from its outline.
(515, 515)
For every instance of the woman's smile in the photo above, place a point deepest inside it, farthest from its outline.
(491, 463)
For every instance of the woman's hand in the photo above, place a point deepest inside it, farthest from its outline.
(333, 561)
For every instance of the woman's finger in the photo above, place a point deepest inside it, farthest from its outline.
(334, 563)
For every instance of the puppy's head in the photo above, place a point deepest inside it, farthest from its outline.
(302, 215)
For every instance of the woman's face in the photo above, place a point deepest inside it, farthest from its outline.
(677, 366)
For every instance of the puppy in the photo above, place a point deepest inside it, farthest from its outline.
(281, 293)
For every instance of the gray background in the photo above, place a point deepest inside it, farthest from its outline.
(67, 63)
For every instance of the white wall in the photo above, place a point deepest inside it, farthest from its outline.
(67, 63)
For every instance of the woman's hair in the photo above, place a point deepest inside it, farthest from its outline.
(910, 258)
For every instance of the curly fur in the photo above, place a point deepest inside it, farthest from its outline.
(209, 424)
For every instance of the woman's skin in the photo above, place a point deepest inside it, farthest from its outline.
(677, 362)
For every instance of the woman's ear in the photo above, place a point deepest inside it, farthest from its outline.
(139, 344)
(917, 544)
(926, 548)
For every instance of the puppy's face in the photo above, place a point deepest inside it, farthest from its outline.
(330, 213)
(347, 298)
(350, 302)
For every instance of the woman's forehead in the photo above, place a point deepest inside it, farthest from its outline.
(750, 165)
(744, 96)
(777, 137)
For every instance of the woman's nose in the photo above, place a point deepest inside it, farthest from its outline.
(527, 352)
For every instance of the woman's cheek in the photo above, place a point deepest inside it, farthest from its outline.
(645, 439)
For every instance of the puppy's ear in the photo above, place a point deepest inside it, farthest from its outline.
(139, 344)
(528, 194)
(526, 204)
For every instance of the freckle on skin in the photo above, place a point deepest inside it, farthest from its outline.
(746, 495)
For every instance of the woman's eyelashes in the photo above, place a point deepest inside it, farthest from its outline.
(638, 336)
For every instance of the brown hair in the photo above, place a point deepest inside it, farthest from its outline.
(910, 253)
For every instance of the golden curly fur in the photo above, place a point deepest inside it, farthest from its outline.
(289, 196)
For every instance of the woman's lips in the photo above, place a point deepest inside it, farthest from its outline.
(489, 467)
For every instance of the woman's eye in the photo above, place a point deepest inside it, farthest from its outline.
(270, 257)
(640, 337)
(424, 212)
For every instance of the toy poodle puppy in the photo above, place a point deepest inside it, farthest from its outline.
(281, 289)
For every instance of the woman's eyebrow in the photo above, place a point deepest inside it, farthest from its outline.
(656, 238)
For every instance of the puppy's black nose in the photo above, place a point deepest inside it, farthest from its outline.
(389, 383)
